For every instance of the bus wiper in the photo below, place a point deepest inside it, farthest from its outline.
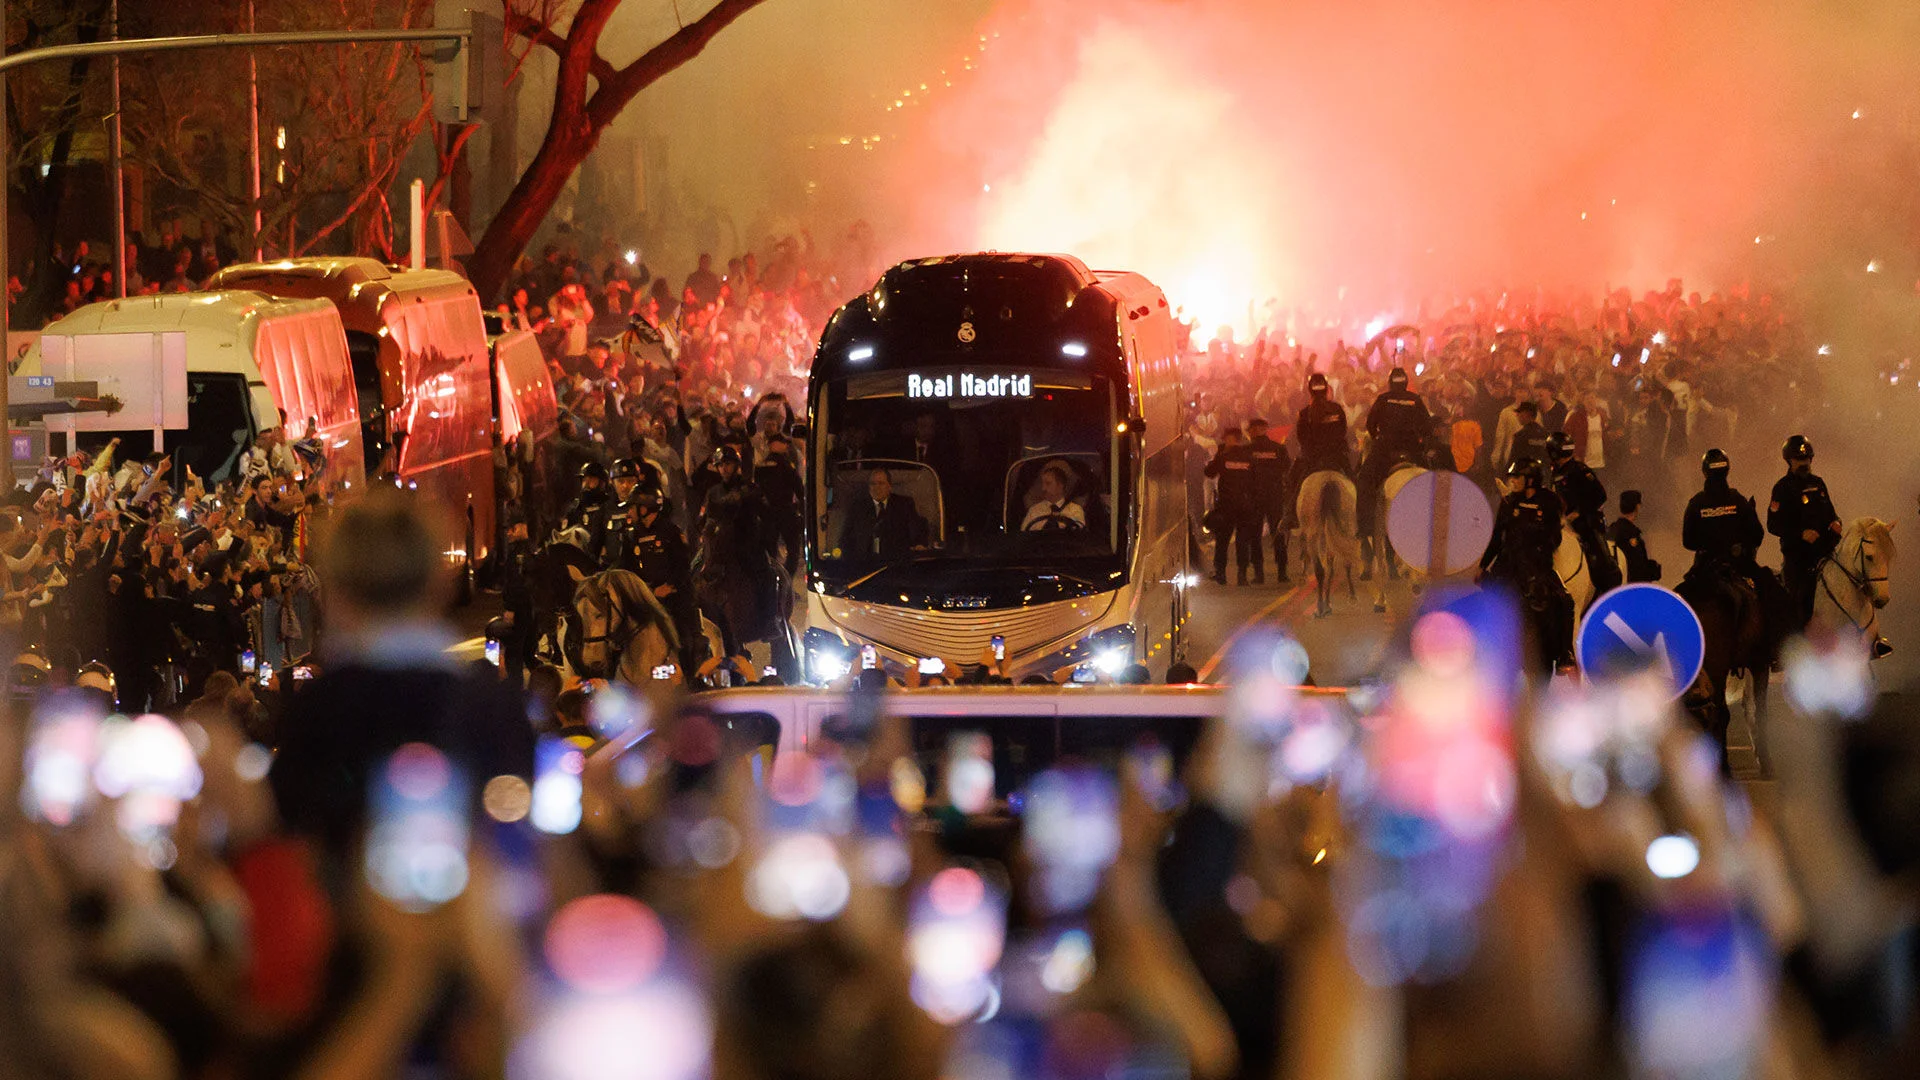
(894, 565)
(1044, 572)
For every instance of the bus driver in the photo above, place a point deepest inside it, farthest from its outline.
(1054, 511)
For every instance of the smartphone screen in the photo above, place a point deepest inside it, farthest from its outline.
(493, 651)
(970, 771)
(869, 658)
(417, 844)
(302, 673)
(266, 674)
(932, 665)
(999, 647)
(557, 787)
(665, 671)
(247, 662)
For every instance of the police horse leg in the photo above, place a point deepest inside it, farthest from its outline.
(1570, 564)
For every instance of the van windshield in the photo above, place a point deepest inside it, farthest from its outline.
(219, 429)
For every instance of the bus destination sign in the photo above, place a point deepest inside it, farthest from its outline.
(963, 385)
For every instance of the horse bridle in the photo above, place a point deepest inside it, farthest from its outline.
(617, 642)
(1860, 581)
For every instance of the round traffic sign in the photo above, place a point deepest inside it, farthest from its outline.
(1642, 627)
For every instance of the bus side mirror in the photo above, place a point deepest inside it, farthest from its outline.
(798, 433)
(1137, 425)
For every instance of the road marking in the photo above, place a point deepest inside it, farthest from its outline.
(1260, 616)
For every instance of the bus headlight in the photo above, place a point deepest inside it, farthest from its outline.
(1112, 660)
(828, 658)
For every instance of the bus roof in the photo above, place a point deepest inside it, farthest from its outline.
(230, 315)
(359, 286)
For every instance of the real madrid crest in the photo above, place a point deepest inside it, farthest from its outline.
(966, 333)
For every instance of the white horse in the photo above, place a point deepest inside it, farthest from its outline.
(1327, 507)
(1570, 562)
(1854, 581)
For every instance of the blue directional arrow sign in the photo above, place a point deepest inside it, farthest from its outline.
(1641, 627)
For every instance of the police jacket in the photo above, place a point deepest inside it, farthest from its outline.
(1322, 431)
(1270, 464)
(1799, 504)
(516, 592)
(1582, 492)
(1526, 530)
(1720, 524)
(1234, 466)
(1529, 443)
(589, 511)
(658, 553)
(779, 484)
(1626, 536)
(1399, 422)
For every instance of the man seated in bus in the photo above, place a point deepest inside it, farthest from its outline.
(1055, 510)
(883, 525)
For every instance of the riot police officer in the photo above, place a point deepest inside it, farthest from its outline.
(1801, 514)
(591, 508)
(1271, 463)
(1526, 532)
(1233, 518)
(656, 550)
(1530, 442)
(1321, 431)
(1399, 429)
(1720, 525)
(1585, 499)
(625, 477)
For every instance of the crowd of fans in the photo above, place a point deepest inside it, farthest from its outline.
(407, 868)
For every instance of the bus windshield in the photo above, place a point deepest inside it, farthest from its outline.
(954, 470)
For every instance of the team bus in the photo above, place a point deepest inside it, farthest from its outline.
(997, 462)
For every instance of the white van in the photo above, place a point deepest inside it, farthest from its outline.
(249, 358)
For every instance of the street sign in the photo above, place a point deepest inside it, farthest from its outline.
(1642, 627)
(1440, 523)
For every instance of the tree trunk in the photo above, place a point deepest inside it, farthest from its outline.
(522, 214)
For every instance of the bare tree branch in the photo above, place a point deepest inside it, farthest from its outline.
(687, 43)
(542, 34)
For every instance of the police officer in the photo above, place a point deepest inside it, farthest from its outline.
(1399, 428)
(1271, 463)
(1801, 514)
(1233, 516)
(624, 476)
(592, 507)
(515, 626)
(781, 488)
(1625, 533)
(1321, 431)
(1720, 525)
(1530, 442)
(1585, 499)
(1526, 532)
(656, 550)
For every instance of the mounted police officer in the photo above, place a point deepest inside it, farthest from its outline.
(591, 508)
(1720, 526)
(1585, 499)
(1530, 442)
(1526, 532)
(1233, 517)
(1399, 429)
(654, 549)
(1271, 463)
(1321, 431)
(625, 477)
(1801, 514)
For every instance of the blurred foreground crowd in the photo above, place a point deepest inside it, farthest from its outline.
(403, 867)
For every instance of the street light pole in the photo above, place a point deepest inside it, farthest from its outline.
(119, 168)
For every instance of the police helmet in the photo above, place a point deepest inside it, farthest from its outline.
(593, 470)
(1397, 378)
(1796, 448)
(647, 496)
(726, 455)
(1714, 461)
(1560, 445)
(1316, 383)
(624, 469)
(1526, 467)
